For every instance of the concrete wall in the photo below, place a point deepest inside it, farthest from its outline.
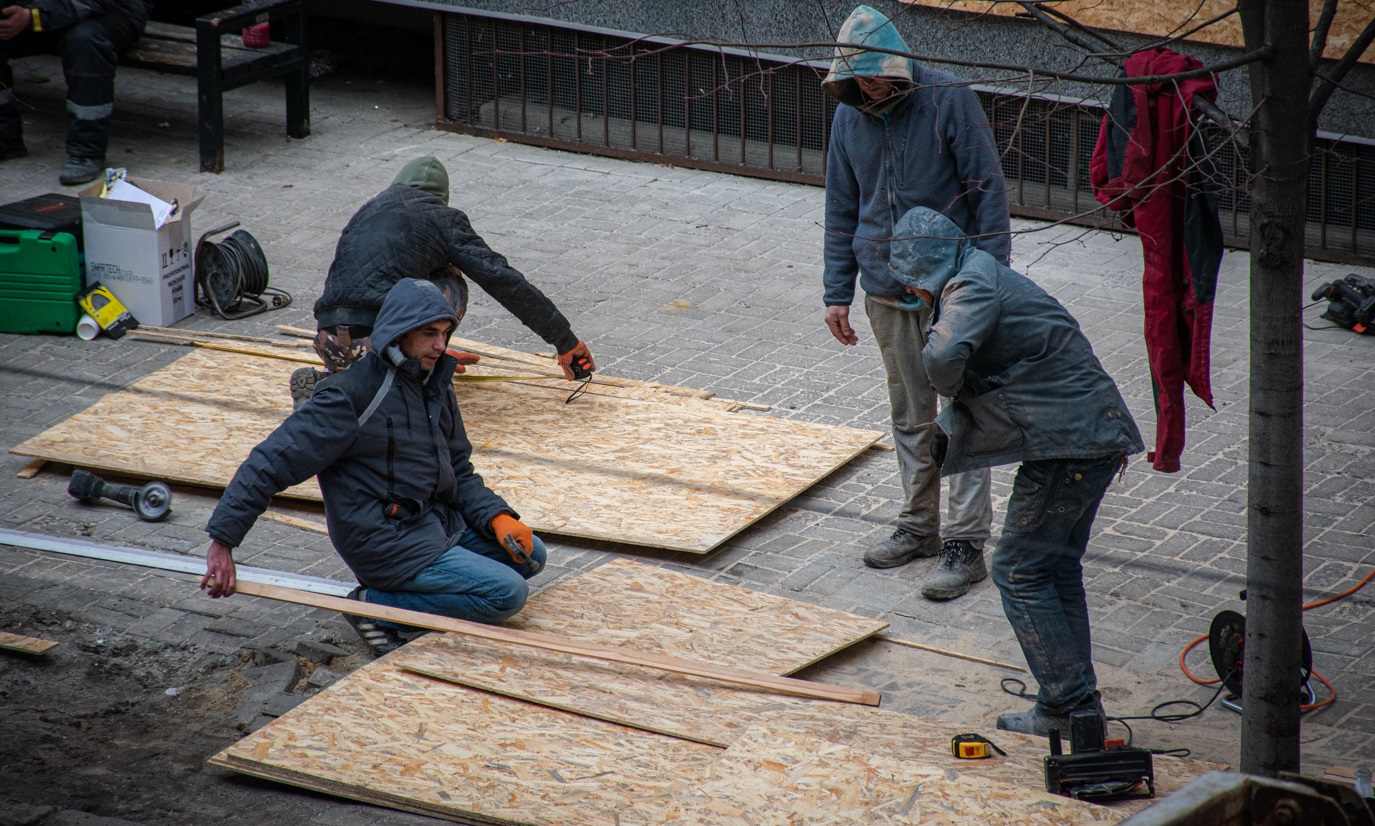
(929, 32)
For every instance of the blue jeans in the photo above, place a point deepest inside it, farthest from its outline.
(1038, 568)
(475, 580)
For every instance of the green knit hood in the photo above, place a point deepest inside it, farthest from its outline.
(426, 174)
(868, 27)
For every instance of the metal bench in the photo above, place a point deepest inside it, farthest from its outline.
(214, 53)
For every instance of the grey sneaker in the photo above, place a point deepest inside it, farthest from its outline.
(1036, 721)
(80, 170)
(303, 386)
(901, 548)
(960, 566)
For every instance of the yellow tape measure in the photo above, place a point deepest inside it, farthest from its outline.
(973, 747)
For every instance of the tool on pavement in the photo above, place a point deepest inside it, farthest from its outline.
(152, 502)
(1097, 768)
(971, 746)
(1226, 645)
(1350, 302)
(233, 274)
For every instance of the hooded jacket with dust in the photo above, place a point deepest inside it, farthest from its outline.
(933, 147)
(1025, 381)
(381, 432)
(410, 231)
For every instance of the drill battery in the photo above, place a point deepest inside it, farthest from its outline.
(1093, 770)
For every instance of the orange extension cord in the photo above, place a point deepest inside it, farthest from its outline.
(1332, 692)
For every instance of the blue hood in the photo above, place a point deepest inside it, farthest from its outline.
(869, 27)
(928, 249)
(410, 304)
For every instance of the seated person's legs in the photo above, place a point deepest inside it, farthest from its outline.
(477, 580)
(89, 52)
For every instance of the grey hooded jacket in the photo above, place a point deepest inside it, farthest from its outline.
(1024, 378)
(410, 231)
(378, 433)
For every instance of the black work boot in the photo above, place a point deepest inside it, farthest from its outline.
(80, 170)
(303, 386)
(901, 548)
(960, 566)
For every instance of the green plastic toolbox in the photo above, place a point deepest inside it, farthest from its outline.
(40, 276)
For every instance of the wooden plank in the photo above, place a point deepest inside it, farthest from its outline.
(660, 611)
(396, 739)
(948, 653)
(679, 476)
(24, 645)
(297, 522)
(676, 665)
(31, 470)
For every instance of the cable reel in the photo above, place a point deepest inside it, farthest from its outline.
(232, 274)
(1226, 646)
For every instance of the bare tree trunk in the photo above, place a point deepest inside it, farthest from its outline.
(1281, 138)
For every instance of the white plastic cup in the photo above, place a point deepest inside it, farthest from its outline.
(86, 328)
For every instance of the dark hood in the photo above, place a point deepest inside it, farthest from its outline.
(928, 249)
(410, 304)
(427, 174)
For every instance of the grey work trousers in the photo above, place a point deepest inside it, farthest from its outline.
(900, 335)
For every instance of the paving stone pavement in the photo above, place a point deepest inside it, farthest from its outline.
(710, 281)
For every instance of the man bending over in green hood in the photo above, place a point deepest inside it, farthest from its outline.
(410, 231)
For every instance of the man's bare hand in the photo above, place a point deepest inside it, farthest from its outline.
(220, 578)
(838, 319)
(13, 21)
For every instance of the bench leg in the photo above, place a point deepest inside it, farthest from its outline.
(210, 99)
(298, 82)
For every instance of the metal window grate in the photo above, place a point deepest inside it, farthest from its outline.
(647, 99)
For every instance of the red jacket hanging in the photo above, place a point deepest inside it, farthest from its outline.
(1152, 166)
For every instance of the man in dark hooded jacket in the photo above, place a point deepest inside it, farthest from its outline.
(1027, 388)
(89, 35)
(410, 231)
(405, 509)
(906, 135)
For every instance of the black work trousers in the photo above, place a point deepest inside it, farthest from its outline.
(89, 51)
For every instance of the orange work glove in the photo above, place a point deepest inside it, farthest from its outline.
(515, 536)
(577, 363)
(464, 359)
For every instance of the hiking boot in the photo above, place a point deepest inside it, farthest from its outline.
(1036, 721)
(10, 151)
(960, 566)
(380, 639)
(901, 548)
(303, 386)
(81, 170)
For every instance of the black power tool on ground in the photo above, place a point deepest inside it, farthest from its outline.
(1097, 768)
(1350, 302)
(152, 502)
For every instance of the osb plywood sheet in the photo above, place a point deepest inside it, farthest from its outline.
(387, 737)
(639, 472)
(658, 611)
(903, 736)
(771, 777)
(1169, 17)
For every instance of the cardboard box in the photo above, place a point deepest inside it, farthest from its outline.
(149, 268)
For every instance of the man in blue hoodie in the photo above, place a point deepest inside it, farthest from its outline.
(1026, 387)
(406, 511)
(409, 231)
(906, 136)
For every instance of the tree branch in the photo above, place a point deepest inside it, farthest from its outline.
(1327, 83)
(1319, 45)
(1241, 60)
